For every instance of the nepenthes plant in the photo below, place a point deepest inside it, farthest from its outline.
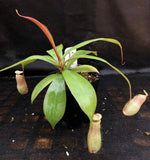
(54, 104)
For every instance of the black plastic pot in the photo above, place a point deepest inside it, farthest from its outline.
(74, 117)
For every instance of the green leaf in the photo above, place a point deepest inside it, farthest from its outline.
(53, 54)
(55, 101)
(85, 68)
(83, 52)
(32, 59)
(113, 67)
(94, 40)
(82, 91)
(41, 85)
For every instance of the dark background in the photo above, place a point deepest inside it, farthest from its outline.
(71, 22)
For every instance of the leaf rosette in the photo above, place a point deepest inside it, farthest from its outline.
(55, 98)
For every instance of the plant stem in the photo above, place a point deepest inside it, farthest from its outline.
(130, 92)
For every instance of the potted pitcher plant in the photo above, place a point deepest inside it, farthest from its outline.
(69, 77)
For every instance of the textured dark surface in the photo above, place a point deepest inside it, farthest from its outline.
(26, 135)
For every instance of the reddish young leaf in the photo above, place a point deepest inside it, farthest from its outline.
(45, 30)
